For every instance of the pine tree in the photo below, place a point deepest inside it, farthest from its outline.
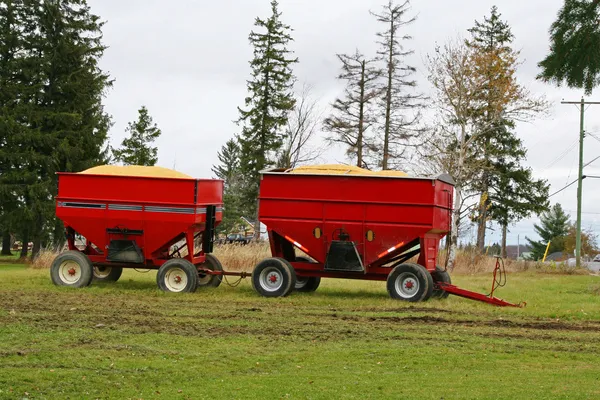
(517, 195)
(352, 115)
(554, 227)
(399, 103)
(502, 102)
(269, 101)
(52, 116)
(23, 190)
(137, 149)
(11, 45)
(229, 171)
(71, 124)
(574, 58)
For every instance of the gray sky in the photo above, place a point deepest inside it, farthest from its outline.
(187, 61)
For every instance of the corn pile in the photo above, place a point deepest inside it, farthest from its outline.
(135, 170)
(340, 169)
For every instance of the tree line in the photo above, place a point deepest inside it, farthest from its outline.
(477, 102)
(51, 114)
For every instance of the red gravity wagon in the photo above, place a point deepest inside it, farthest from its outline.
(322, 222)
(132, 217)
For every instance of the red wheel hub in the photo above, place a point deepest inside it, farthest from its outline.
(177, 279)
(409, 285)
(273, 278)
(72, 271)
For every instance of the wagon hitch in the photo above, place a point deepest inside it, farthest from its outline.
(499, 281)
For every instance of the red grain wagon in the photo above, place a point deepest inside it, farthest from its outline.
(356, 226)
(131, 221)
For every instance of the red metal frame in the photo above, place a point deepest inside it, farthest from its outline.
(153, 212)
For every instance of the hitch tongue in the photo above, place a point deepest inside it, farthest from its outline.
(499, 281)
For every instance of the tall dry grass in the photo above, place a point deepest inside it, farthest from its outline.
(44, 258)
(243, 258)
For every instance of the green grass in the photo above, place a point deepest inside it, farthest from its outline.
(347, 340)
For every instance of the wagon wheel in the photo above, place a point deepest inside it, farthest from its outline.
(72, 268)
(410, 282)
(206, 280)
(440, 276)
(306, 284)
(177, 275)
(273, 277)
(107, 274)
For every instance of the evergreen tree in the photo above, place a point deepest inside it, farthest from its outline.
(229, 171)
(553, 228)
(137, 149)
(72, 123)
(268, 104)
(352, 115)
(501, 102)
(23, 158)
(11, 46)
(517, 195)
(574, 57)
(399, 103)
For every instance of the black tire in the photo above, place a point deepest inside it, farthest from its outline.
(410, 282)
(72, 268)
(307, 284)
(440, 276)
(273, 277)
(177, 275)
(107, 274)
(213, 264)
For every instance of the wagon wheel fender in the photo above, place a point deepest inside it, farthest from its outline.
(273, 277)
(206, 280)
(177, 275)
(410, 282)
(72, 268)
(306, 284)
(440, 275)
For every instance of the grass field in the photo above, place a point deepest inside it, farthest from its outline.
(348, 340)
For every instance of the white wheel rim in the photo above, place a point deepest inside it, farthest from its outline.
(102, 272)
(271, 279)
(176, 280)
(301, 282)
(69, 272)
(407, 285)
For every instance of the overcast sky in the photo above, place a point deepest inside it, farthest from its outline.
(187, 61)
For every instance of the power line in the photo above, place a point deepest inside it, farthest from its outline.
(561, 156)
(570, 184)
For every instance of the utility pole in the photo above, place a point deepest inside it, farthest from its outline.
(582, 105)
(518, 246)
